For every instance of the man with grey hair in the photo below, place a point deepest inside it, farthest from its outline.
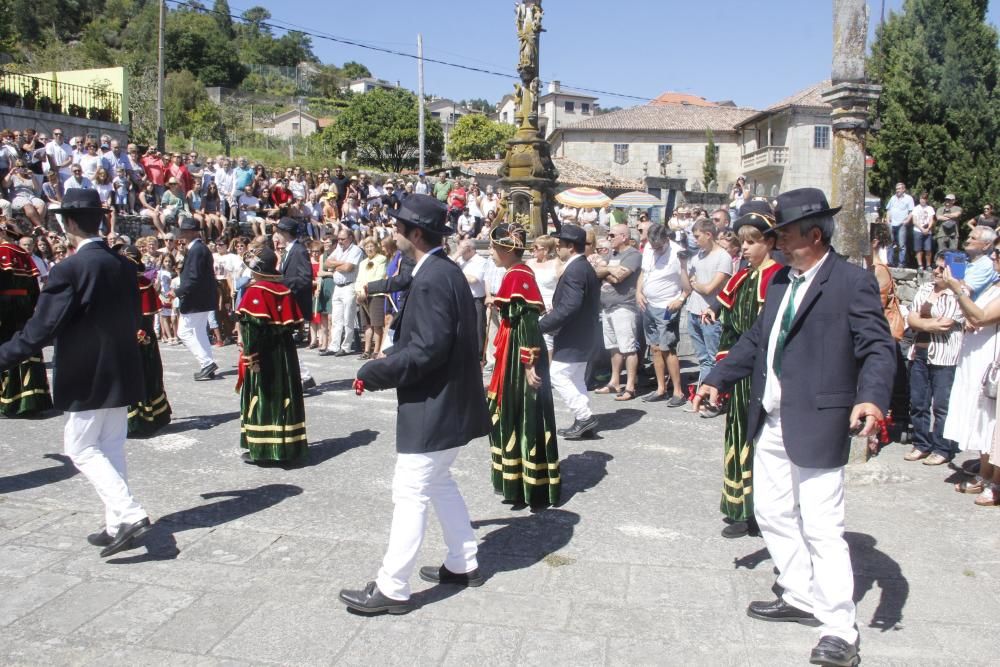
(979, 274)
(821, 361)
(474, 266)
(618, 271)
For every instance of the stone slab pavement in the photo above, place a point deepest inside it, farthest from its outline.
(245, 563)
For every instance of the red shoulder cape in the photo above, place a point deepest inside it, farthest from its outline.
(14, 259)
(149, 300)
(519, 282)
(728, 293)
(270, 301)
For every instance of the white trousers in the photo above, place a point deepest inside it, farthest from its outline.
(800, 512)
(420, 479)
(95, 441)
(343, 317)
(192, 329)
(569, 381)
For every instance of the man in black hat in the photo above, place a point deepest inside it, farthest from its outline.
(296, 272)
(575, 321)
(90, 310)
(821, 361)
(434, 365)
(198, 293)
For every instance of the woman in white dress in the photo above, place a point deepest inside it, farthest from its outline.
(546, 267)
(972, 417)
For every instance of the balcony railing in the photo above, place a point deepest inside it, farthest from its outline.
(769, 156)
(32, 93)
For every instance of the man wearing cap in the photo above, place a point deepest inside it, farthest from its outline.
(821, 362)
(90, 310)
(198, 294)
(946, 227)
(296, 272)
(575, 322)
(433, 364)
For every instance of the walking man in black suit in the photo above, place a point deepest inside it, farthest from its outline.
(434, 365)
(296, 272)
(575, 321)
(198, 293)
(822, 360)
(90, 310)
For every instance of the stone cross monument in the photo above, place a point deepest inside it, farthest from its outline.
(850, 95)
(527, 174)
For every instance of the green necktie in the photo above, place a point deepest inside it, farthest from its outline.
(786, 324)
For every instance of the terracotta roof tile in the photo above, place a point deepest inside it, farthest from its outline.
(667, 117)
(682, 98)
(809, 97)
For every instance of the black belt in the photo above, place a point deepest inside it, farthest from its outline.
(336, 284)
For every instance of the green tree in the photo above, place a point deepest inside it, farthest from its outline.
(196, 44)
(183, 93)
(478, 104)
(223, 18)
(937, 62)
(710, 170)
(476, 137)
(380, 129)
(353, 70)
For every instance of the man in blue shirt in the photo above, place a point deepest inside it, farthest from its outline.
(243, 175)
(897, 210)
(979, 273)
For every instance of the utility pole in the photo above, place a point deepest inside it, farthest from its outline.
(420, 100)
(161, 132)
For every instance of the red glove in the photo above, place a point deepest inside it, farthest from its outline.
(359, 387)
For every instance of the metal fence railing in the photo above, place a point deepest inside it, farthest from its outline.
(29, 92)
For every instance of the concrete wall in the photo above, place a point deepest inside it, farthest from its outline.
(596, 148)
(11, 117)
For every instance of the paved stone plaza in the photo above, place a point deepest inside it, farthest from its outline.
(245, 563)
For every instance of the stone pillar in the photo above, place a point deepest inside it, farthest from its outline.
(850, 95)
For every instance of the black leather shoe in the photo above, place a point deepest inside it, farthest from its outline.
(834, 652)
(100, 538)
(563, 431)
(370, 600)
(581, 428)
(128, 533)
(741, 529)
(442, 575)
(207, 372)
(781, 612)
(308, 384)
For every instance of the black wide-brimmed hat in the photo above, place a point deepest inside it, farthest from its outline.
(80, 200)
(756, 213)
(573, 233)
(510, 236)
(425, 212)
(801, 204)
(262, 261)
(288, 225)
(132, 253)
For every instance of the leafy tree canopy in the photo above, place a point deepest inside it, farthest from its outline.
(380, 129)
(476, 137)
(353, 70)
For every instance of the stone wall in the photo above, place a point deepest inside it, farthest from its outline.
(17, 118)
(908, 281)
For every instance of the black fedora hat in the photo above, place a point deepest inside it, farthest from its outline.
(801, 204)
(288, 225)
(132, 253)
(263, 261)
(756, 213)
(80, 200)
(573, 233)
(425, 212)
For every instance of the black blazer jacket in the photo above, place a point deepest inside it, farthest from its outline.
(90, 310)
(198, 290)
(434, 363)
(298, 277)
(838, 353)
(575, 314)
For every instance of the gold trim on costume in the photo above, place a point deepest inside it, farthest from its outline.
(277, 427)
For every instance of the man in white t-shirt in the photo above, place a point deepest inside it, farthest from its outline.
(661, 292)
(344, 263)
(922, 220)
(60, 155)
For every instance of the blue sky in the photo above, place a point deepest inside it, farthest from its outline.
(754, 53)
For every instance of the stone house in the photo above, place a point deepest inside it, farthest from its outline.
(295, 123)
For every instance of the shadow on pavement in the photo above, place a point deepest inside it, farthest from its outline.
(331, 447)
(620, 419)
(871, 567)
(752, 560)
(197, 423)
(41, 477)
(582, 472)
(519, 543)
(332, 385)
(160, 543)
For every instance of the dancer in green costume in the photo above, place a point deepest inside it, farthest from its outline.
(742, 299)
(523, 437)
(24, 389)
(153, 412)
(272, 412)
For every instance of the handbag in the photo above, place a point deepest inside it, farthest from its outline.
(893, 312)
(992, 374)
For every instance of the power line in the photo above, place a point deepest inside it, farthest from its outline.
(403, 54)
